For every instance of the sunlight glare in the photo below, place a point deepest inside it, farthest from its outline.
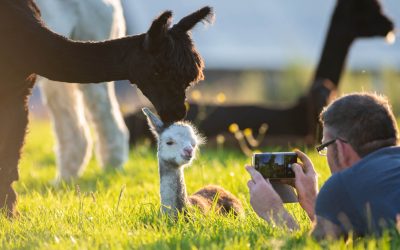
(390, 37)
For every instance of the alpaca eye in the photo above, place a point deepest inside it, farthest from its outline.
(170, 143)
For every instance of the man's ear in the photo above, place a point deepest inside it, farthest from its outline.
(342, 153)
(155, 123)
(346, 154)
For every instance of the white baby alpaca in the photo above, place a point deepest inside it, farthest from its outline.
(177, 145)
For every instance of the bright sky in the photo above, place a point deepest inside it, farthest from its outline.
(266, 34)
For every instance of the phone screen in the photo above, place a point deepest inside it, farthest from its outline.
(275, 165)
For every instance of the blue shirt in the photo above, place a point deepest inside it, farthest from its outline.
(364, 198)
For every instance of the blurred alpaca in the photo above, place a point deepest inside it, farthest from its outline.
(85, 20)
(177, 145)
(351, 20)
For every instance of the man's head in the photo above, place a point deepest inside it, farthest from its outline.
(361, 123)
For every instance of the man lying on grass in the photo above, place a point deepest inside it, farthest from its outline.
(363, 194)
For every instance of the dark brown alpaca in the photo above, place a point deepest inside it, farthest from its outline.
(177, 145)
(351, 19)
(163, 62)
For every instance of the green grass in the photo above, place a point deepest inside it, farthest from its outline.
(120, 209)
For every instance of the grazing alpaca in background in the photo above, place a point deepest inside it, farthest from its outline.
(177, 145)
(163, 62)
(93, 20)
(351, 20)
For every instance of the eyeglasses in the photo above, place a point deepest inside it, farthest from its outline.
(323, 148)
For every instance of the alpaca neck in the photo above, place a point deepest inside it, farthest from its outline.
(172, 187)
(85, 62)
(33, 48)
(334, 53)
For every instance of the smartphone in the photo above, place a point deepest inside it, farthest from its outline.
(275, 165)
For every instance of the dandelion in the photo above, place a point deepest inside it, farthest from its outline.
(247, 132)
(196, 95)
(221, 98)
(233, 128)
(220, 139)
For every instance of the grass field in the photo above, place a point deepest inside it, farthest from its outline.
(120, 210)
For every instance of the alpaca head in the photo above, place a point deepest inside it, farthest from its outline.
(363, 18)
(170, 63)
(177, 142)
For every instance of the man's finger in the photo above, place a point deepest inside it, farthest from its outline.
(250, 185)
(255, 175)
(297, 169)
(308, 165)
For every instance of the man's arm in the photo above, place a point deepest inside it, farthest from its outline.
(266, 202)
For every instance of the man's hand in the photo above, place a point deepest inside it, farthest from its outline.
(306, 183)
(266, 202)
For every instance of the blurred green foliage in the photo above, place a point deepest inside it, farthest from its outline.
(284, 87)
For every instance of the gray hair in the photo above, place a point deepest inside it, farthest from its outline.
(365, 120)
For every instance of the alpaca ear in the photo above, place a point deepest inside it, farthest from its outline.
(155, 123)
(204, 14)
(158, 31)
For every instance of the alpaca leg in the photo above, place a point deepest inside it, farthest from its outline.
(73, 141)
(8, 199)
(113, 137)
(13, 125)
